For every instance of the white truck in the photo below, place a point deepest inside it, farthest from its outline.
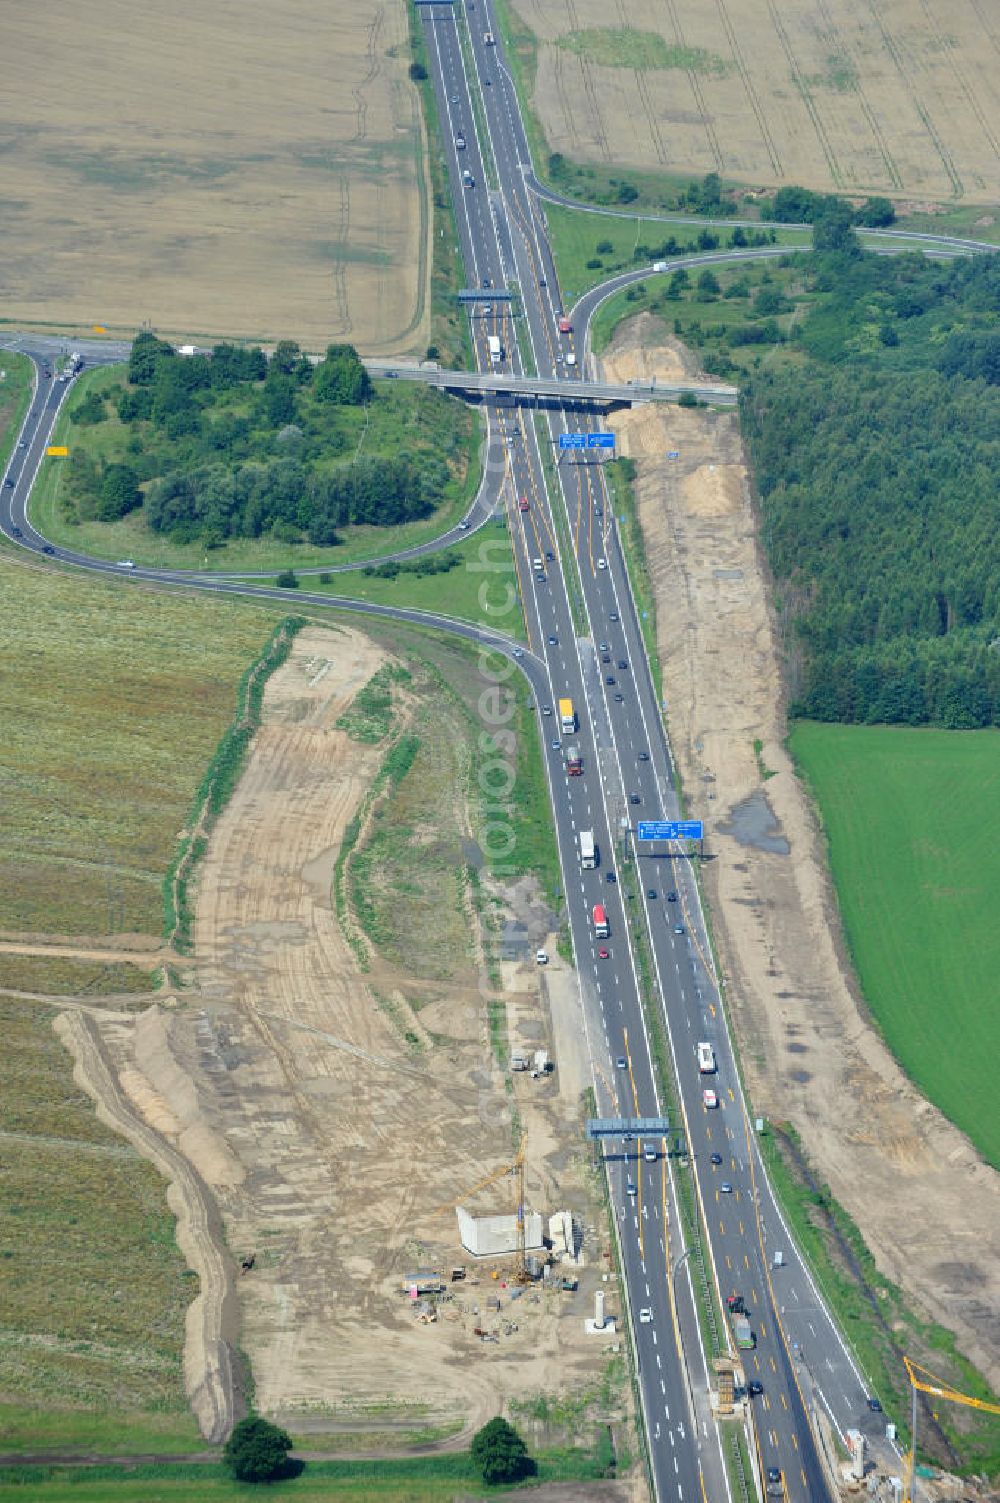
(496, 349)
(706, 1059)
(588, 850)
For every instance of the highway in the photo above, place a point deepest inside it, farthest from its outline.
(585, 642)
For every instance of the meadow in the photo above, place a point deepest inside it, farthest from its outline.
(912, 819)
(206, 170)
(898, 99)
(112, 701)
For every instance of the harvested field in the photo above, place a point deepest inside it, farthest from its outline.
(925, 1203)
(331, 1081)
(895, 97)
(215, 169)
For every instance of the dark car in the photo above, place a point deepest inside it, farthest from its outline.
(671, 896)
(48, 548)
(644, 756)
(715, 1158)
(542, 282)
(634, 798)
(774, 1474)
(610, 877)
(619, 699)
(610, 679)
(651, 892)
(874, 1405)
(487, 282)
(623, 662)
(15, 532)
(613, 616)
(678, 928)
(605, 657)
(755, 1389)
(550, 555)
(9, 482)
(553, 641)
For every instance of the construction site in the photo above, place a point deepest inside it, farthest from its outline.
(328, 1085)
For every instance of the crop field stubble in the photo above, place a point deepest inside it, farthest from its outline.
(899, 98)
(249, 170)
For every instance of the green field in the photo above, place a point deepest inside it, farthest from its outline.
(913, 823)
(453, 593)
(112, 702)
(404, 415)
(58, 976)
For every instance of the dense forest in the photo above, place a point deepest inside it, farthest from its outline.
(235, 445)
(877, 458)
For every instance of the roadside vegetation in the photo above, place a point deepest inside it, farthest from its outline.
(58, 976)
(239, 461)
(878, 1320)
(916, 894)
(15, 394)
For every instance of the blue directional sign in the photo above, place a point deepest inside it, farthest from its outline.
(671, 829)
(600, 440)
(573, 440)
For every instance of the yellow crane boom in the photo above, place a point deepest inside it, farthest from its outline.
(922, 1380)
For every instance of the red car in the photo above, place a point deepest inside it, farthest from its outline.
(522, 505)
(604, 954)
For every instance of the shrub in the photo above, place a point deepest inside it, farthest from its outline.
(257, 1451)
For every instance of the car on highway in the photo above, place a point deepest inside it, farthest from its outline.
(556, 744)
(604, 953)
(650, 1154)
(48, 548)
(605, 657)
(519, 652)
(644, 756)
(9, 482)
(645, 1316)
(619, 699)
(604, 647)
(621, 1062)
(874, 1405)
(125, 563)
(630, 1187)
(709, 1100)
(715, 1158)
(651, 892)
(522, 505)
(610, 877)
(550, 555)
(460, 142)
(678, 928)
(613, 616)
(725, 1188)
(634, 798)
(15, 532)
(546, 709)
(671, 896)
(609, 679)
(755, 1389)
(454, 99)
(487, 282)
(623, 662)
(602, 563)
(464, 525)
(773, 1476)
(23, 444)
(553, 641)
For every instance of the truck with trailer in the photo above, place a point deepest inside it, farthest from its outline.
(706, 1059)
(567, 716)
(601, 926)
(588, 850)
(574, 762)
(565, 327)
(742, 1331)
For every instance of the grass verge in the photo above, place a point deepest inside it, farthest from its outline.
(15, 394)
(58, 976)
(620, 475)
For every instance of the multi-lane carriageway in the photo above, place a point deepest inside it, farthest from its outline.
(799, 1359)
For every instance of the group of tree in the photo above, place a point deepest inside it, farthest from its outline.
(234, 444)
(876, 464)
(257, 1451)
(805, 206)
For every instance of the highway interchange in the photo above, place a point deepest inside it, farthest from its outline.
(585, 642)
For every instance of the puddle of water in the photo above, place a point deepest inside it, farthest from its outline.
(753, 823)
(472, 854)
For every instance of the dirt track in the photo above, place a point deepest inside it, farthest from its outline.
(928, 1208)
(327, 1110)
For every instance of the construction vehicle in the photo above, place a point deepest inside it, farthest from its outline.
(923, 1381)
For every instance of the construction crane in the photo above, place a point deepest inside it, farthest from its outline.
(514, 1170)
(923, 1381)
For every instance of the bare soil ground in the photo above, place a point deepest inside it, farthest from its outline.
(216, 169)
(328, 1111)
(927, 1207)
(887, 96)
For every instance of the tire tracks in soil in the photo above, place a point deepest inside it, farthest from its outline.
(212, 1321)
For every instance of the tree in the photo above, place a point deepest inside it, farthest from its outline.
(148, 353)
(832, 230)
(257, 1451)
(418, 72)
(500, 1453)
(341, 378)
(875, 213)
(119, 493)
(708, 287)
(287, 580)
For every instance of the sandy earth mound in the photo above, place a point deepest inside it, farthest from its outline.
(927, 1206)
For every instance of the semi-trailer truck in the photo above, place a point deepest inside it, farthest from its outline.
(601, 926)
(588, 850)
(496, 348)
(567, 716)
(574, 762)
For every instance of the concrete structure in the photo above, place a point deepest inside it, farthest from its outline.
(495, 1236)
